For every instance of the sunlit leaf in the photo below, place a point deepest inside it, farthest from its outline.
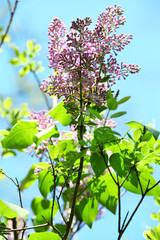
(44, 235)
(21, 135)
(60, 114)
(45, 134)
(123, 100)
(118, 114)
(10, 210)
(88, 209)
(106, 191)
(45, 182)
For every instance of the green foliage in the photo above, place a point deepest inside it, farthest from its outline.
(44, 235)
(21, 135)
(42, 210)
(45, 134)
(105, 191)
(88, 209)
(10, 210)
(97, 163)
(25, 59)
(60, 114)
(45, 182)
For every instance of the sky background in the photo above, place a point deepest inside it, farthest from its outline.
(31, 21)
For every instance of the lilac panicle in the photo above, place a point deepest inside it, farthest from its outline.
(86, 56)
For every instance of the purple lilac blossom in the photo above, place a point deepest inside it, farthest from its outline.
(86, 56)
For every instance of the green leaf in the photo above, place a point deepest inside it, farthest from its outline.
(153, 234)
(60, 114)
(109, 94)
(10, 210)
(30, 44)
(118, 114)
(45, 182)
(61, 228)
(137, 134)
(31, 176)
(145, 149)
(95, 113)
(123, 100)
(157, 147)
(21, 135)
(37, 48)
(112, 104)
(61, 148)
(104, 134)
(42, 207)
(29, 179)
(23, 71)
(116, 161)
(15, 61)
(134, 125)
(88, 209)
(153, 131)
(127, 144)
(97, 163)
(45, 134)
(144, 178)
(23, 58)
(56, 150)
(105, 79)
(105, 190)
(44, 235)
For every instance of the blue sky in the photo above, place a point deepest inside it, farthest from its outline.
(143, 21)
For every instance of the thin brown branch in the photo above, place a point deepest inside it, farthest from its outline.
(125, 220)
(54, 192)
(8, 230)
(127, 175)
(119, 205)
(9, 5)
(12, 12)
(4, 173)
(101, 151)
(56, 229)
(139, 181)
(149, 189)
(39, 85)
(124, 226)
(60, 210)
(69, 223)
(19, 191)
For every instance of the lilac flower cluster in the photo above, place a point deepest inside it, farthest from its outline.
(84, 57)
(43, 122)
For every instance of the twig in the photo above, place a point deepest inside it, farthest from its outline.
(107, 164)
(19, 191)
(124, 226)
(54, 191)
(4, 173)
(149, 189)
(9, 5)
(60, 210)
(12, 12)
(125, 220)
(8, 230)
(127, 175)
(119, 205)
(39, 84)
(56, 229)
(69, 223)
(139, 181)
